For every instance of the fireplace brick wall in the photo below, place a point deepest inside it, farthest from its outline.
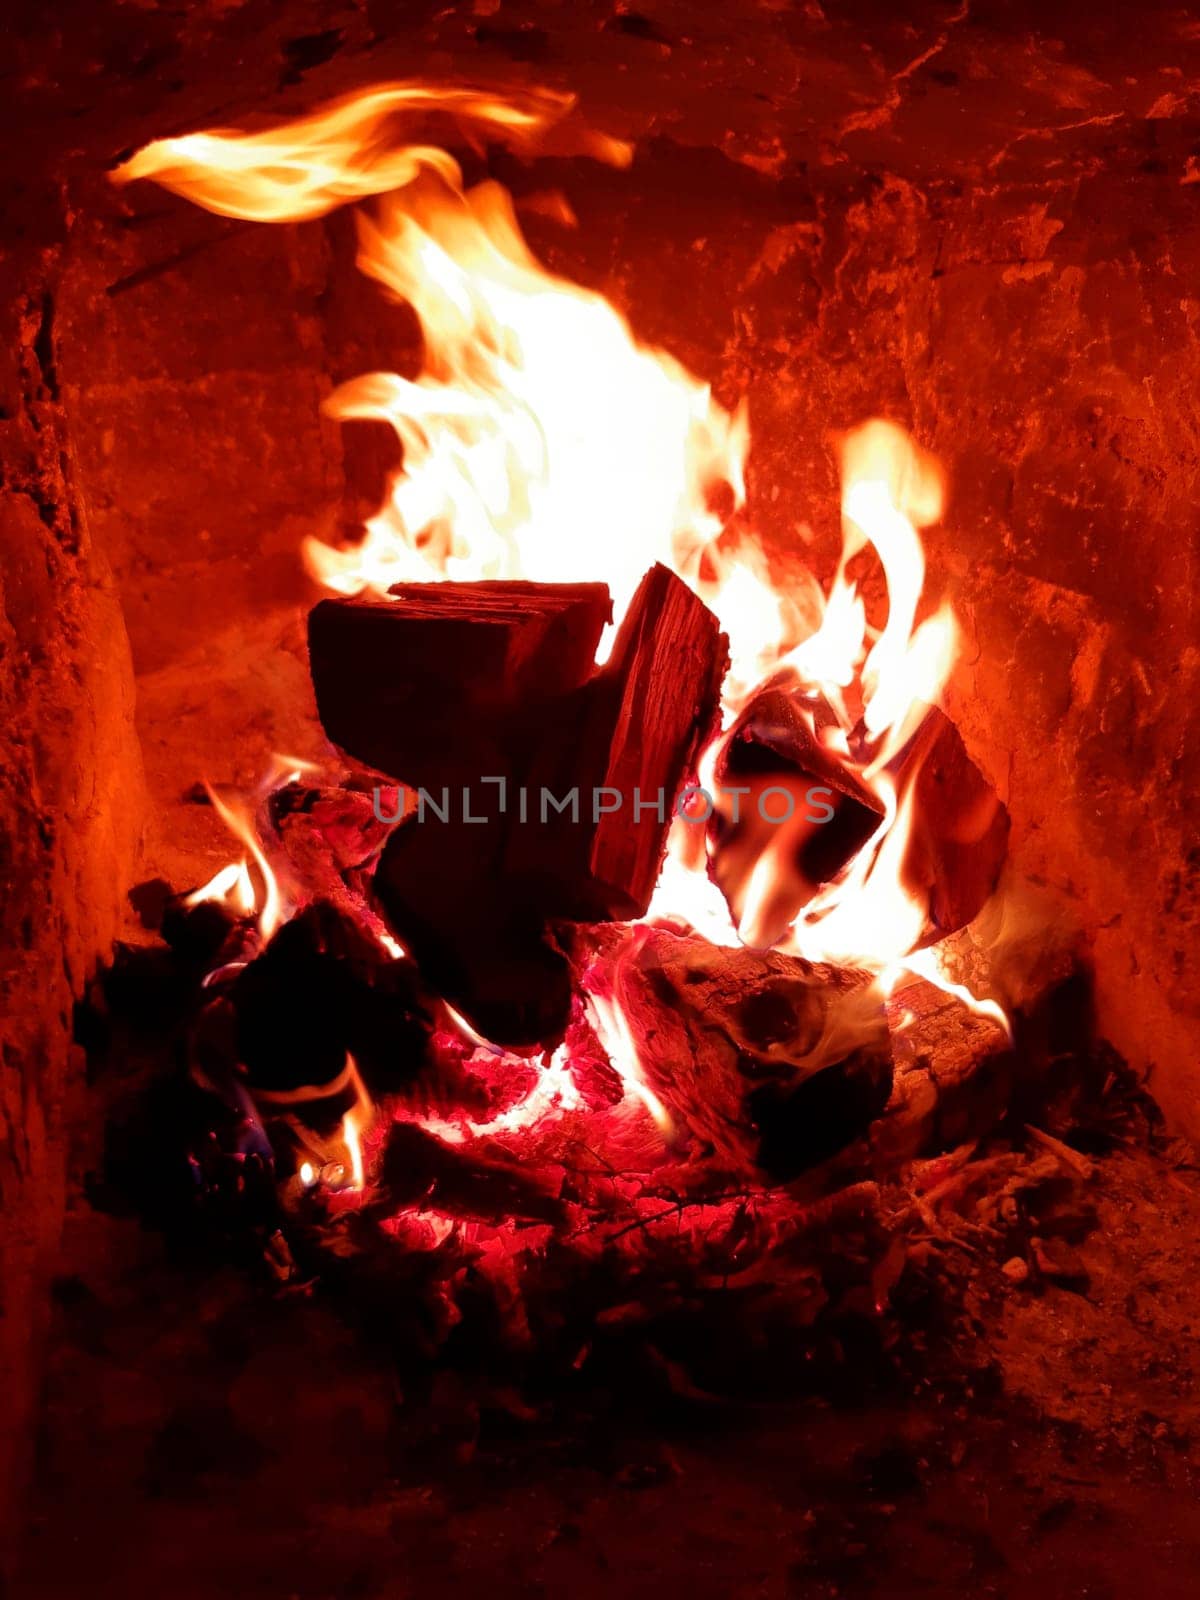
(71, 809)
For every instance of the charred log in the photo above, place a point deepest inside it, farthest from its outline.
(321, 992)
(786, 797)
(768, 1062)
(821, 819)
(477, 937)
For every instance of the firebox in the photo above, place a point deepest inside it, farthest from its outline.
(599, 645)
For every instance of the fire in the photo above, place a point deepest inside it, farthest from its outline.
(353, 1142)
(612, 1028)
(231, 886)
(543, 440)
(271, 911)
(355, 1125)
(345, 151)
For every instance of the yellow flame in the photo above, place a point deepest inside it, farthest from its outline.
(270, 914)
(345, 151)
(353, 1143)
(613, 1031)
(355, 1124)
(542, 440)
(231, 886)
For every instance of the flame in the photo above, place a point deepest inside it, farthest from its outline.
(928, 964)
(612, 1028)
(231, 887)
(353, 1143)
(543, 440)
(890, 487)
(355, 1125)
(347, 150)
(270, 913)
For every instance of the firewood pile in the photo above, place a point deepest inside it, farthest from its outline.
(475, 1088)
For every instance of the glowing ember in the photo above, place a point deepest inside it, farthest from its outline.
(553, 1093)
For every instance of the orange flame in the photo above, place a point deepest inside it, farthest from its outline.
(270, 913)
(350, 1135)
(542, 440)
(231, 886)
(355, 1125)
(346, 151)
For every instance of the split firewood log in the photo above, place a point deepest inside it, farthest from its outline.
(765, 1061)
(637, 732)
(579, 829)
(445, 683)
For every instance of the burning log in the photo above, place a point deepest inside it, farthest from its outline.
(446, 683)
(638, 732)
(459, 683)
(769, 1061)
(959, 835)
(770, 856)
(826, 816)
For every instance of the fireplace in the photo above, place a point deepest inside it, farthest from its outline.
(672, 952)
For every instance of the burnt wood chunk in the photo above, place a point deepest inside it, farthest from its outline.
(437, 684)
(477, 939)
(320, 992)
(782, 791)
(805, 813)
(959, 837)
(769, 1062)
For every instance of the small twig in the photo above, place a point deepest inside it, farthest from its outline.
(964, 1178)
(1070, 1158)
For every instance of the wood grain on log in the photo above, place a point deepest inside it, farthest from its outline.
(444, 683)
(765, 1060)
